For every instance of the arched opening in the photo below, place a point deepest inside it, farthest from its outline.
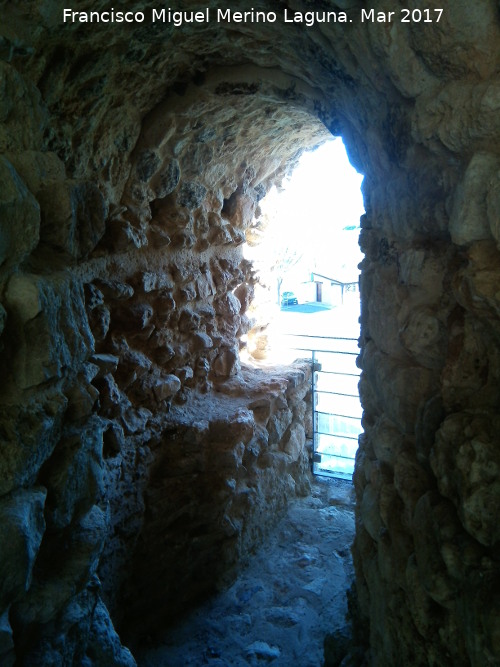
(138, 451)
(304, 246)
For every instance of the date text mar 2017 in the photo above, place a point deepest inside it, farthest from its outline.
(405, 16)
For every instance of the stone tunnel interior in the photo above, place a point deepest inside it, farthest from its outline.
(136, 450)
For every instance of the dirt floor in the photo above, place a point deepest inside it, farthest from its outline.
(284, 603)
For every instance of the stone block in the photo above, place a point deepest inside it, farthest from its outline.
(22, 526)
(167, 179)
(132, 317)
(70, 562)
(122, 236)
(466, 460)
(235, 428)
(29, 434)
(423, 336)
(411, 480)
(188, 321)
(150, 281)
(158, 237)
(82, 397)
(51, 326)
(278, 424)
(226, 364)
(112, 400)
(73, 216)
(493, 205)
(469, 219)
(187, 293)
(90, 211)
(107, 363)
(166, 387)
(294, 446)
(164, 306)
(115, 290)
(19, 217)
(201, 341)
(386, 440)
(113, 440)
(191, 194)
(433, 520)
(424, 611)
(73, 475)
(135, 420)
(261, 408)
(227, 306)
(370, 514)
(3, 318)
(262, 651)
(38, 169)
(104, 646)
(6, 639)
(148, 162)
(396, 388)
(22, 113)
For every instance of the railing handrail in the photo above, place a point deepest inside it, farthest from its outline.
(322, 337)
(315, 349)
(349, 419)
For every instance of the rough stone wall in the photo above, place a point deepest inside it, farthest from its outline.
(132, 164)
(216, 476)
(426, 547)
(140, 463)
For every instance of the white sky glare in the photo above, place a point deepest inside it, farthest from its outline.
(320, 199)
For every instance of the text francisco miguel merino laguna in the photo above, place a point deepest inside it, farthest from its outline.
(207, 15)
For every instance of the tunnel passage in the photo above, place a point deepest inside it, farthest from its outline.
(132, 164)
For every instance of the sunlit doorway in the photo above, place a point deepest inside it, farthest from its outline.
(305, 249)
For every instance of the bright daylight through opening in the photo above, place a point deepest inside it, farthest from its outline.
(305, 249)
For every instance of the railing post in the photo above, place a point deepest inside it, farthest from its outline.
(313, 396)
(336, 447)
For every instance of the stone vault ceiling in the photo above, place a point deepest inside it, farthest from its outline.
(136, 448)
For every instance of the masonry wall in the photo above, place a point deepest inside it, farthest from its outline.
(140, 462)
(131, 169)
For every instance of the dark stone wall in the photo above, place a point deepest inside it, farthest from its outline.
(133, 159)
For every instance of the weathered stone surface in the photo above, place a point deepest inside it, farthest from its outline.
(423, 336)
(469, 220)
(7, 653)
(465, 460)
(73, 217)
(29, 435)
(191, 194)
(19, 217)
(165, 142)
(22, 526)
(104, 646)
(22, 115)
(68, 564)
(6, 641)
(50, 336)
(107, 363)
(226, 364)
(167, 179)
(262, 651)
(227, 453)
(3, 318)
(166, 387)
(73, 475)
(296, 441)
(38, 169)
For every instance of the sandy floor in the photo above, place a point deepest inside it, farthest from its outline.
(284, 603)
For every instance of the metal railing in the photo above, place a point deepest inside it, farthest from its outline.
(336, 407)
